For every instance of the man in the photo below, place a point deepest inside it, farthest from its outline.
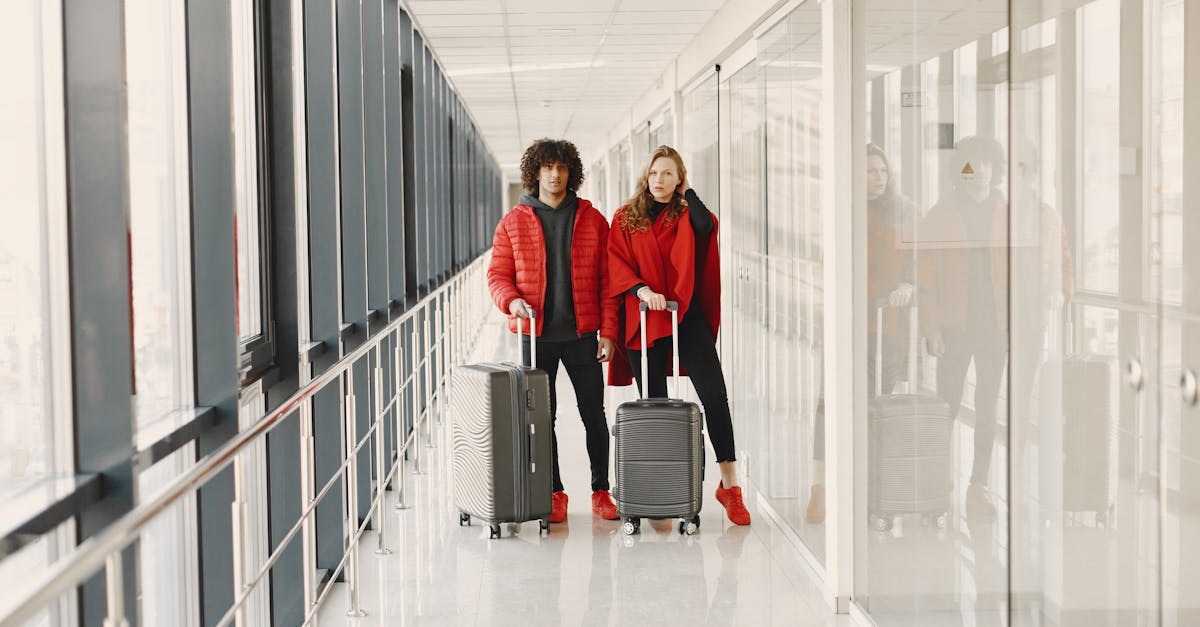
(549, 254)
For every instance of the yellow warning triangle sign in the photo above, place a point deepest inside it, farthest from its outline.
(967, 169)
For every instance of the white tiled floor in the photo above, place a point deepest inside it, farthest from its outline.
(585, 572)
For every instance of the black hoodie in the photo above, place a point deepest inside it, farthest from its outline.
(558, 225)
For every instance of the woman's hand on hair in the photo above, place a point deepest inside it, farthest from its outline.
(684, 185)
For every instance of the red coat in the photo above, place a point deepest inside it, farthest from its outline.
(664, 258)
(518, 268)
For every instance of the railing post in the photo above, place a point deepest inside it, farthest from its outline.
(430, 364)
(416, 400)
(350, 528)
(238, 522)
(440, 342)
(308, 532)
(401, 466)
(114, 579)
(380, 466)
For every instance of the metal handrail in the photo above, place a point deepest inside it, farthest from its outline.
(98, 551)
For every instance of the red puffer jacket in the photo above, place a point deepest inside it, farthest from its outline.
(518, 268)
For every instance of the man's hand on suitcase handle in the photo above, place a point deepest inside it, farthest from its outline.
(656, 301)
(519, 308)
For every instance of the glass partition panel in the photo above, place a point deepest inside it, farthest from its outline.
(1173, 87)
(791, 472)
(933, 548)
(1084, 460)
(746, 224)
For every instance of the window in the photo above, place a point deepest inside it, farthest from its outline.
(33, 312)
(1099, 119)
(249, 229)
(35, 359)
(160, 279)
(158, 205)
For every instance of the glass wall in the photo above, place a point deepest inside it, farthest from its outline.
(1026, 331)
(791, 441)
(745, 258)
(1105, 515)
(931, 537)
(699, 142)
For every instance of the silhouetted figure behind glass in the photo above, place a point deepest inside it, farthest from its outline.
(889, 278)
(963, 280)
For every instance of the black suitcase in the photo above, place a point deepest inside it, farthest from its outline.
(660, 453)
(501, 442)
(908, 445)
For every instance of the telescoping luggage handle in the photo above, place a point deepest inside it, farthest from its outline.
(532, 364)
(532, 339)
(674, 307)
(912, 346)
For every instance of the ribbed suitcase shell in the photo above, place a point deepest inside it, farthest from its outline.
(909, 449)
(660, 459)
(501, 468)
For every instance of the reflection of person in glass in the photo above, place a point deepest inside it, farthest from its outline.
(663, 247)
(890, 280)
(963, 278)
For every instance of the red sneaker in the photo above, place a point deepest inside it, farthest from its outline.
(558, 507)
(603, 506)
(731, 499)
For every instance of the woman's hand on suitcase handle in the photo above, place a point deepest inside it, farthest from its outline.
(519, 308)
(656, 301)
(605, 350)
(901, 295)
(935, 344)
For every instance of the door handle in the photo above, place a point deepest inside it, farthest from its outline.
(1134, 375)
(1188, 386)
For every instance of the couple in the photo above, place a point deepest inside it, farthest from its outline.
(555, 253)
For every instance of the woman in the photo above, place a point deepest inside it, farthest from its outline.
(663, 247)
(890, 279)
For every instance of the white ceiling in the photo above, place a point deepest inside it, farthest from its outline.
(564, 69)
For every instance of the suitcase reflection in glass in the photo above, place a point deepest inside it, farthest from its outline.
(908, 446)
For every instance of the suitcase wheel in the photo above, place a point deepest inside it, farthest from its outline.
(494, 532)
(464, 519)
(632, 526)
(934, 520)
(688, 527)
(543, 525)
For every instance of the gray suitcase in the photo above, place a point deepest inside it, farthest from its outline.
(501, 442)
(1090, 435)
(660, 452)
(1088, 391)
(908, 446)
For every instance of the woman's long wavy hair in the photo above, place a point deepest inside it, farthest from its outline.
(637, 208)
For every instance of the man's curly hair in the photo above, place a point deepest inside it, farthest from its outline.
(546, 151)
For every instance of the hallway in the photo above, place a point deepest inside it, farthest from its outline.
(585, 572)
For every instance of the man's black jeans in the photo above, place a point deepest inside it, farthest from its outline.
(587, 376)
